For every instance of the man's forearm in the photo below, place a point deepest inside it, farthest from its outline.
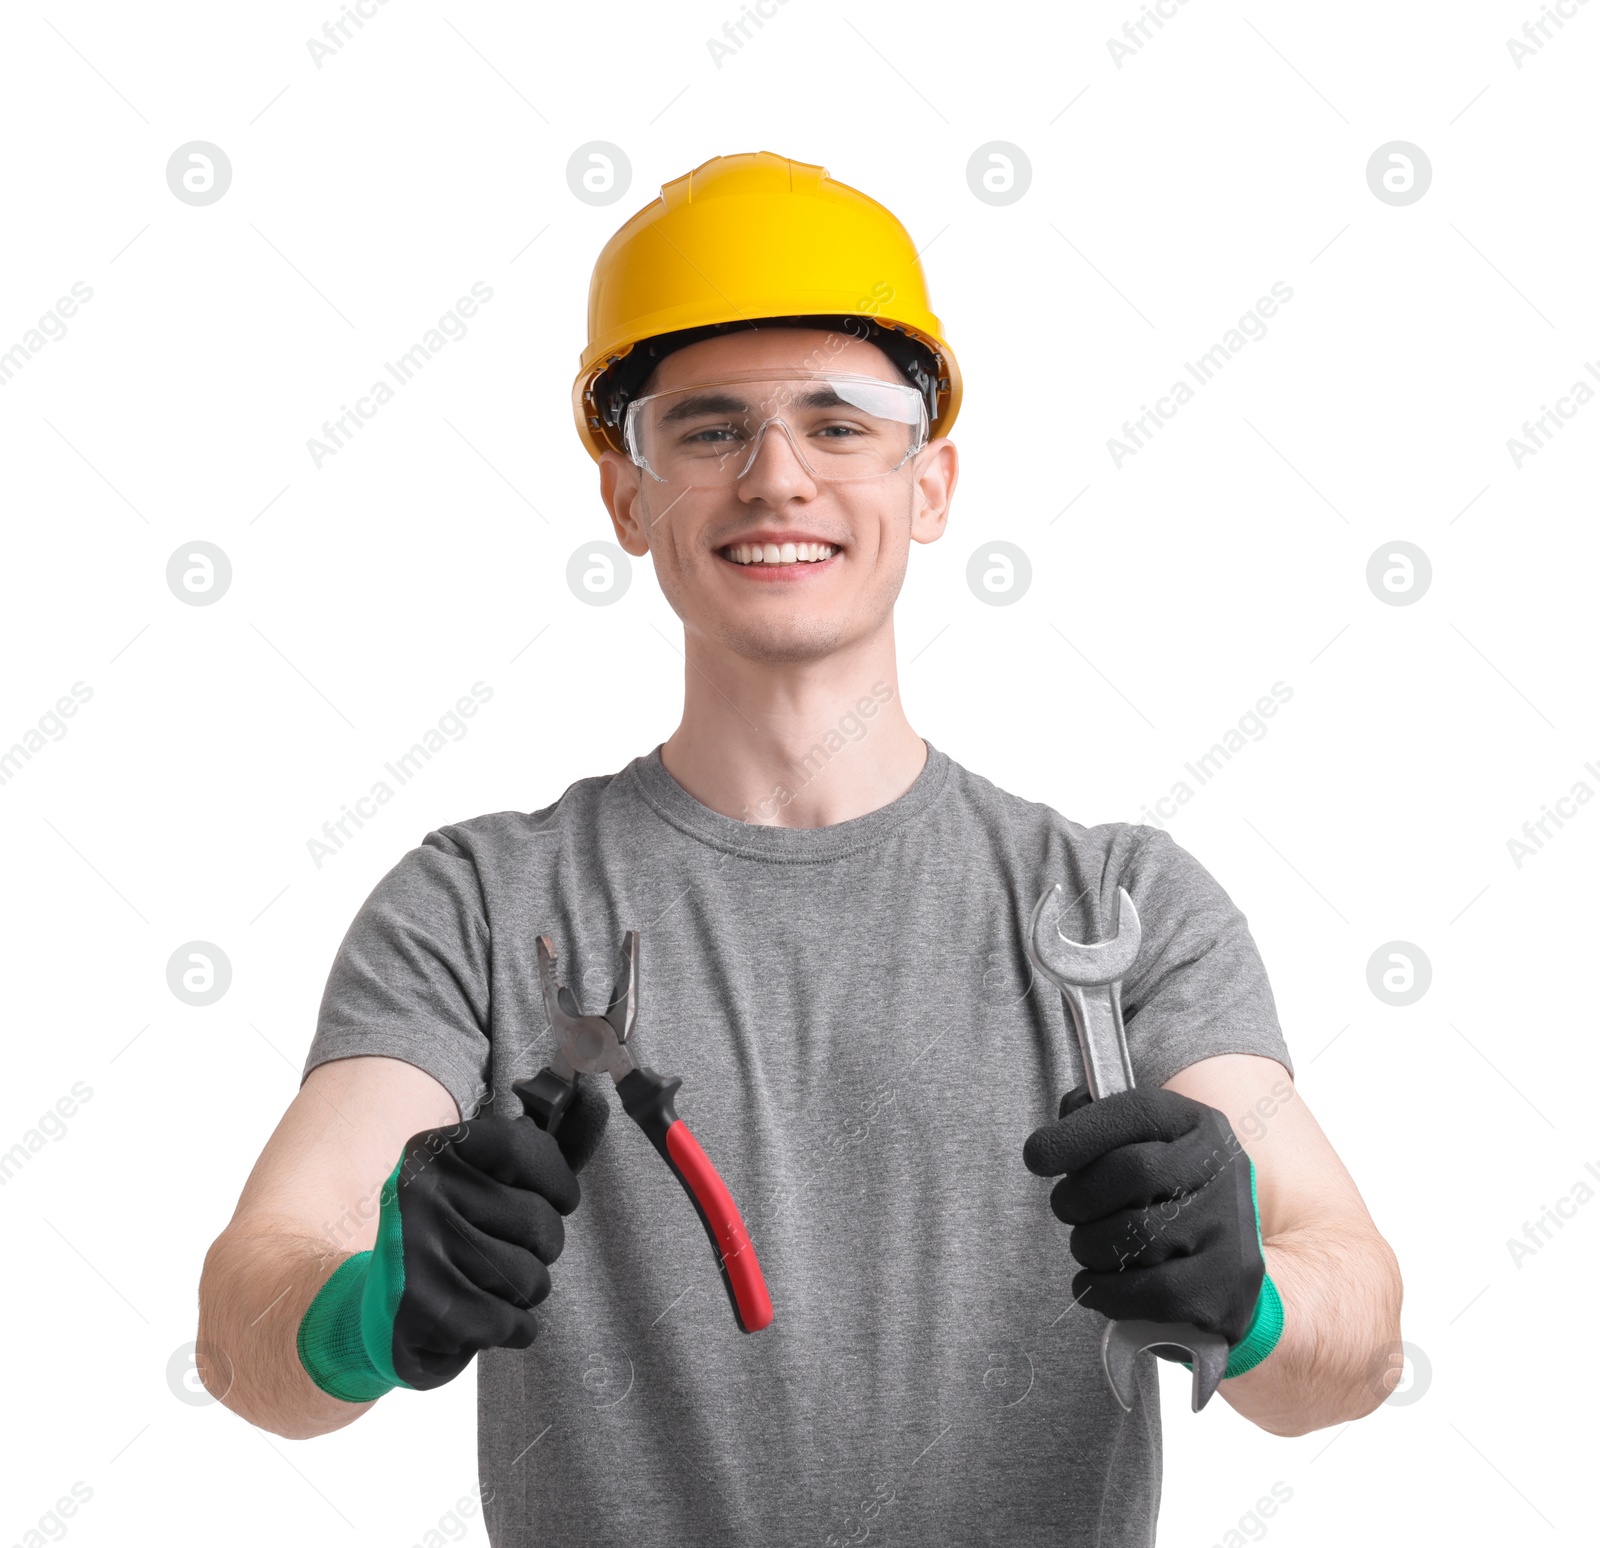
(1341, 1290)
(254, 1291)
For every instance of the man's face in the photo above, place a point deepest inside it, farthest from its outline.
(788, 611)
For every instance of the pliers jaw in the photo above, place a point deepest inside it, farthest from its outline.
(590, 1045)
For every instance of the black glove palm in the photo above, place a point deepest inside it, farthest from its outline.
(1160, 1197)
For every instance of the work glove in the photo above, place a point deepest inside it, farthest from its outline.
(469, 1222)
(1161, 1198)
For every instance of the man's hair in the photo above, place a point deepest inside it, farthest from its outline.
(629, 377)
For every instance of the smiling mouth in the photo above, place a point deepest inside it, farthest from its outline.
(777, 553)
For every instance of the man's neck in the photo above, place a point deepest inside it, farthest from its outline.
(795, 745)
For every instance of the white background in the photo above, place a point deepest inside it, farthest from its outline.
(1168, 595)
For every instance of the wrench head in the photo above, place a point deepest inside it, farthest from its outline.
(1124, 1340)
(1075, 962)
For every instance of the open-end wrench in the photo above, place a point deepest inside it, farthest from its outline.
(1090, 977)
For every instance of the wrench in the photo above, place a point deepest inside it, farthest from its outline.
(1090, 978)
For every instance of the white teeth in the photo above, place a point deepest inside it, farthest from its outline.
(779, 553)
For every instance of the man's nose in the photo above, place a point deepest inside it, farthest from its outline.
(776, 469)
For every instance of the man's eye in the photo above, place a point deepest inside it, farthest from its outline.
(709, 436)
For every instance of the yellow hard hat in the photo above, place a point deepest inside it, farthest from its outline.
(758, 236)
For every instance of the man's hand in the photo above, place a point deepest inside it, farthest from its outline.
(478, 1210)
(1160, 1196)
(469, 1222)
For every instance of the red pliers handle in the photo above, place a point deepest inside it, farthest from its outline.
(647, 1099)
(600, 1043)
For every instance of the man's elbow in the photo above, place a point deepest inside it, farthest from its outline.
(1340, 1357)
(1385, 1369)
(254, 1290)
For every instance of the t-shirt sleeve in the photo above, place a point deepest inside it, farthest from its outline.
(1199, 987)
(411, 977)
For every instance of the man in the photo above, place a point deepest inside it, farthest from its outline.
(831, 914)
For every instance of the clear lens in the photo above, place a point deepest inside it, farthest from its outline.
(842, 427)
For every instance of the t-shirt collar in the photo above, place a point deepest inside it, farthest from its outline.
(765, 840)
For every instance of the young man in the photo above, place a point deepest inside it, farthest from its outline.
(832, 916)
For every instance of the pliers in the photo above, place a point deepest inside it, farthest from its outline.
(595, 1044)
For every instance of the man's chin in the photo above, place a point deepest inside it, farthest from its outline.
(790, 641)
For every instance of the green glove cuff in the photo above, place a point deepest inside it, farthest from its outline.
(1266, 1325)
(1261, 1337)
(346, 1338)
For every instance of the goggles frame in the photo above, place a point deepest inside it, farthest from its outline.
(630, 435)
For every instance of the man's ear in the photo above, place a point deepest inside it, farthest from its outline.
(933, 488)
(619, 489)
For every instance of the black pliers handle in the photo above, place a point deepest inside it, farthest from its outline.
(595, 1044)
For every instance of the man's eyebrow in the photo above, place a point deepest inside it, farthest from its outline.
(704, 403)
(821, 397)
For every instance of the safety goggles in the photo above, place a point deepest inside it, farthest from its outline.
(842, 427)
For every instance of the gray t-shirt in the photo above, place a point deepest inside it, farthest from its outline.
(864, 1048)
